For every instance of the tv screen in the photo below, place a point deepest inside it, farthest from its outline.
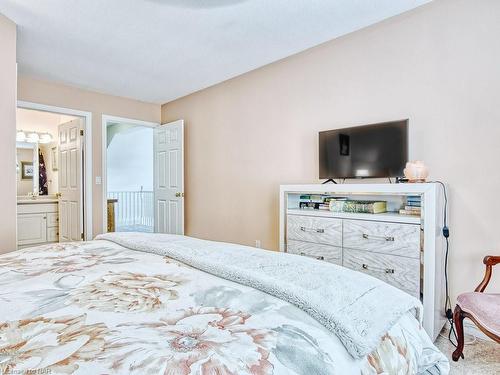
(377, 150)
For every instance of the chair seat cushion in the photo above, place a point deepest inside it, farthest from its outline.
(484, 307)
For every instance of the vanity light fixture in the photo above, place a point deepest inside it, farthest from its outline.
(45, 138)
(32, 137)
(20, 136)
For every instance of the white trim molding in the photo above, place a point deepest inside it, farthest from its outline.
(87, 147)
(104, 157)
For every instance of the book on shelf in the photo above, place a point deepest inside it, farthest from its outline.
(409, 212)
(413, 204)
(312, 198)
(355, 206)
(413, 208)
(306, 205)
(413, 197)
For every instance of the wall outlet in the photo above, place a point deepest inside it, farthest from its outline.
(257, 243)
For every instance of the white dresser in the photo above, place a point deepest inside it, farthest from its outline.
(404, 251)
(37, 223)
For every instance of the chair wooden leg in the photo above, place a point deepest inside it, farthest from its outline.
(458, 320)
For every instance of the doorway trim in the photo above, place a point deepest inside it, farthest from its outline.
(87, 162)
(104, 158)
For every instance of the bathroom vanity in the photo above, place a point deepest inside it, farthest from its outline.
(37, 221)
(37, 215)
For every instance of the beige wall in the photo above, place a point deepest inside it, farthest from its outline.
(438, 65)
(8, 134)
(34, 90)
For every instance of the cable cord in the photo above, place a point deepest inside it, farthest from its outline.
(448, 310)
(471, 342)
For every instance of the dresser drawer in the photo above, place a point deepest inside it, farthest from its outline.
(322, 230)
(380, 237)
(401, 272)
(52, 219)
(332, 254)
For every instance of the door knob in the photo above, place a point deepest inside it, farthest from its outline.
(177, 194)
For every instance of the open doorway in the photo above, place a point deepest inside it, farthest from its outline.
(143, 176)
(129, 174)
(50, 161)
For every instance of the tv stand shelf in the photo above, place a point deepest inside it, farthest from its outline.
(390, 217)
(403, 250)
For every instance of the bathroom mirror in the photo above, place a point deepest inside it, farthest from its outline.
(27, 168)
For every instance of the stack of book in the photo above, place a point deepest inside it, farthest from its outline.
(341, 204)
(413, 206)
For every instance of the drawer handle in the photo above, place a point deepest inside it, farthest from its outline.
(304, 229)
(386, 270)
(383, 238)
(321, 257)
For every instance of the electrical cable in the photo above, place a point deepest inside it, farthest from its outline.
(473, 339)
(446, 234)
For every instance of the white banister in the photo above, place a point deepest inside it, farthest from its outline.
(133, 210)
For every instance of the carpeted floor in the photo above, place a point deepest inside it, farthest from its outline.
(481, 357)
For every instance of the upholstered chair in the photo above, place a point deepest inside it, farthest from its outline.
(482, 308)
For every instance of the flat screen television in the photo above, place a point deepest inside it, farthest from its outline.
(376, 150)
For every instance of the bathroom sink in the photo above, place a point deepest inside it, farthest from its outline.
(40, 199)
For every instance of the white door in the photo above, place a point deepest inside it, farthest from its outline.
(70, 181)
(169, 178)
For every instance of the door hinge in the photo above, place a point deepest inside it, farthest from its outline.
(81, 132)
(83, 237)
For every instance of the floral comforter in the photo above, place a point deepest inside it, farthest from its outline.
(99, 308)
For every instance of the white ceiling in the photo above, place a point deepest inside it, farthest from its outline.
(160, 50)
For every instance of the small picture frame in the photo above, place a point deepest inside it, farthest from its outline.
(53, 158)
(26, 170)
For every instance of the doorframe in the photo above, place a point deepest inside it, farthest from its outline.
(104, 157)
(87, 162)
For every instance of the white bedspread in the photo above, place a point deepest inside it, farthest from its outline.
(102, 308)
(358, 308)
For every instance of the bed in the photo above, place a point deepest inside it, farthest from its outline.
(164, 304)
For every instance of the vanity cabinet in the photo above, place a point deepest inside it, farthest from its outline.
(31, 229)
(37, 224)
